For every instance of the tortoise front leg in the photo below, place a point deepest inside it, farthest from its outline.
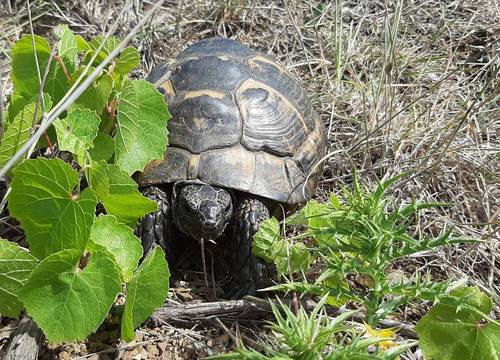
(152, 228)
(246, 270)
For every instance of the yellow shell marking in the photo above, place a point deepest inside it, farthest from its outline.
(169, 89)
(207, 92)
(255, 61)
(192, 169)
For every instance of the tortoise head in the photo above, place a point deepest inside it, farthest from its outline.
(202, 211)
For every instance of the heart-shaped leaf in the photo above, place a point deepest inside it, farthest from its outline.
(455, 329)
(53, 214)
(77, 131)
(67, 46)
(19, 129)
(120, 241)
(69, 303)
(16, 265)
(141, 134)
(25, 75)
(119, 194)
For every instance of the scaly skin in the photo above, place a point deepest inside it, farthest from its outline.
(153, 226)
(246, 270)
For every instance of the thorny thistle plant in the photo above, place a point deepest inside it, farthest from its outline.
(315, 335)
(355, 239)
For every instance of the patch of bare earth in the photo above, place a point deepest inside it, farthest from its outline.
(405, 86)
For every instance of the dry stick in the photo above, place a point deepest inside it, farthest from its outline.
(24, 342)
(54, 113)
(250, 309)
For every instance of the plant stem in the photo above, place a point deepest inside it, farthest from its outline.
(111, 110)
(63, 67)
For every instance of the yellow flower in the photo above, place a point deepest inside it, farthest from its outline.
(389, 334)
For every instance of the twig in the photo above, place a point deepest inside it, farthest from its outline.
(63, 67)
(250, 309)
(24, 342)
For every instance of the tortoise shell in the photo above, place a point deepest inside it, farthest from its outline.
(239, 121)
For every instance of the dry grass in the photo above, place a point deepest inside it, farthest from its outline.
(407, 86)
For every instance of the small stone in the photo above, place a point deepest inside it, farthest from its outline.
(83, 349)
(162, 345)
(64, 355)
(94, 357)
(210, 343)
(138, 336)
(152, 349)
(127, 355)
(144, 353)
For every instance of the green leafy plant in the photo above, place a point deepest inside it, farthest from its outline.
(78, 263)
(355, 239)
(459, 328)
(315, 336)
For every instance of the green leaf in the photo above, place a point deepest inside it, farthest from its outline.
(16, 265)
(82, 44)
(145, 292)
(19, 129)
(141, 134)
(127, 61)
(53, 215)
(77, 131)
(69, 303)
(266, 238)
(456, 328)
(291, 257)
(16, 104)
(269, 245)
(24, 69)
(96, 95)
(110, 43)
(103, 149)
(120, 241)
(67, 46)
(119, 193)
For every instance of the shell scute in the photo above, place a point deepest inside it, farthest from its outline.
(210, 72)
(272, 74)
(270, 122)
(204, 122)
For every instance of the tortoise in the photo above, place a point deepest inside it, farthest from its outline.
(243, 140)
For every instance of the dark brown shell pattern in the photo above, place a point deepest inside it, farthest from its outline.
(239, 121)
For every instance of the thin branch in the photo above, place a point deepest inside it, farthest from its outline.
(250, 309)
